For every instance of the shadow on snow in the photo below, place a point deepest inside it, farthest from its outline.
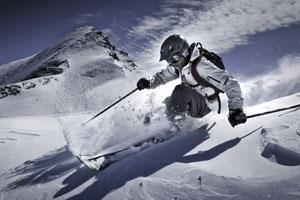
(61, 162)
(42, 170)
(148, 162)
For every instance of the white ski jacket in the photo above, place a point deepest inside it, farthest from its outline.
(219, 78)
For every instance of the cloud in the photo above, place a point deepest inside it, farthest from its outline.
(219, 25)
(283, 81)
(84, 18)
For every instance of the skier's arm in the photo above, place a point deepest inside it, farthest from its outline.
(224, 81)
(160, 78)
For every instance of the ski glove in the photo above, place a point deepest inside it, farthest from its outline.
(143, 83)
(237, 117)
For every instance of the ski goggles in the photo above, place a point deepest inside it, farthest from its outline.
(173, 59)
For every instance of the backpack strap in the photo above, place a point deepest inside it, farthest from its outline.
(203, 82)
(196, 75)
(177, 72)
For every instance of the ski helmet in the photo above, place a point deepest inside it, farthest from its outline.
(173, 45)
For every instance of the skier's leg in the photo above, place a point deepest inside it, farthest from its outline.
(185, 100)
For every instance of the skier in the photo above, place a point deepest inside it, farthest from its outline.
(203, 77)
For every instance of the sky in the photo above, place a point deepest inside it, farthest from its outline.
(251, 36)
(28, 27)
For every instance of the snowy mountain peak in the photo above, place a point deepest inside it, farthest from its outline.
(81, 39)
(54, 59)
(73, 65)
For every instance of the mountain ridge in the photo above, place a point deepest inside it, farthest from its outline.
(79, 61)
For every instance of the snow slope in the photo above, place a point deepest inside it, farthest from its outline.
(64, 77)
(50, 95)
(214, 161)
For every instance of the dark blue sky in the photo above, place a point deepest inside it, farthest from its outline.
(28, 27)
(264, 50)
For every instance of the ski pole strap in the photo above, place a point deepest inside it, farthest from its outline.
(272, 111)
(112, 105)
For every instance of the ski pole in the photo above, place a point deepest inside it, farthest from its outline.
(273, 111)
(122, 98)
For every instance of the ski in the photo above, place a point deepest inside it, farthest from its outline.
(111, 155)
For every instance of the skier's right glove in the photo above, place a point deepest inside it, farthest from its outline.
(143, 83)
(237, 117)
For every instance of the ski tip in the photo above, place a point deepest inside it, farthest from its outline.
(91, 164)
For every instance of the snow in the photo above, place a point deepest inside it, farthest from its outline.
(6, 68)
(41, 131)
(213, 161)
(271, 85)
(88, 61)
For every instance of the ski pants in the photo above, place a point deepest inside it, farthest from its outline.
(185, 100)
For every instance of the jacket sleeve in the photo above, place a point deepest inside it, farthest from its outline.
(224, 81)
(166, 75)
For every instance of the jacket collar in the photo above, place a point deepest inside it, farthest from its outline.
(195, 53)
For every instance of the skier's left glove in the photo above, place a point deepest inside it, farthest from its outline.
(143, 83)
(237, 117)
